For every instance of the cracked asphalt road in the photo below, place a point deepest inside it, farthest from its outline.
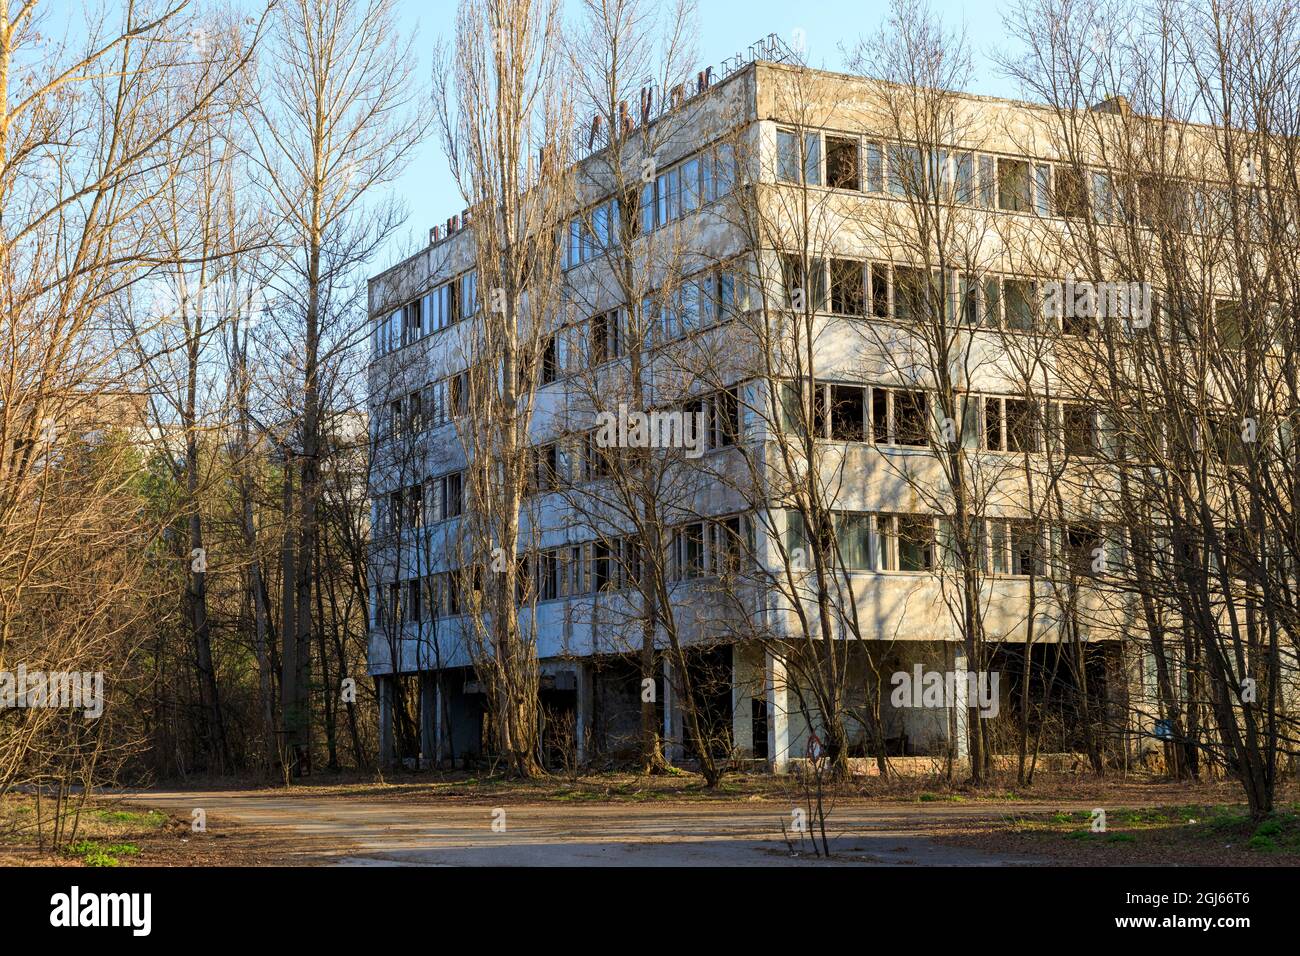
(358, 831)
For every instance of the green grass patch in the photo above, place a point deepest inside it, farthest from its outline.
(150, 818)
(93, 853)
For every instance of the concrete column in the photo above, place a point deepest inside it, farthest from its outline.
(583, 711)
(428, 720)
(742, 715)
(778, 716)
(672, 717)
(384, 690)
(441, 732)
(962, 704)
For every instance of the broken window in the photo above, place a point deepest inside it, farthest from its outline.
(847, 410)
(910, 417)
(842, 163)
(1078, 429)
(848, 293)
(1071, 198)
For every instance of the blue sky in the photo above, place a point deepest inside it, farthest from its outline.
(725, 28)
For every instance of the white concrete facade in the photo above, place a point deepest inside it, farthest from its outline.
(905, 615)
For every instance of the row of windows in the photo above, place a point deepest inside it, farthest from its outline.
(436, 404)
(663, 199)
(558, 464)
(434, 311)
(921, 543)
(885, 415)
(884, 290)
(697, 549)
(706, 298)
(420, 505)
(994, 182)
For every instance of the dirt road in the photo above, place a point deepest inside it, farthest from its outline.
(356, 831)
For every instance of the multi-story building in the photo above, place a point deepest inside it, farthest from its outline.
(826, 158)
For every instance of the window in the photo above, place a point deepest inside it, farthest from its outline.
(415, 411)
(668, 192)
(1021, 425)
(906, 171)
(604, 566)
(1021, 301)
(847, 412)
(910, 420)
(595, 460)
(450, 495)
(911, 290)
(958, 177)
(968, 304)
(724, 177)
(907, 542)
(853, 533)
(848, 288)
(415, 506)
(793, 160)
(879, 277)
(1071, 199)
(1225, 440)
(1103, 197)
(988, 181)
(550, 367)
(468, 295)
(1010, 425)
(811, 289)
(606, 337)
(544, 467)
(725, 417)
(414, 592)
(689, 550)
(411, 329)
(457, 398)
(842, 163)
(549, 568)
(1082, 546)
(1043, 189)
(875, 168)
(731, 544)
(1015, 188)
(1078, 430)
(1015, 547)
(395, 420)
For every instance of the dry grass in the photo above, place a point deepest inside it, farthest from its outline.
(1188, 834)
(120, 833)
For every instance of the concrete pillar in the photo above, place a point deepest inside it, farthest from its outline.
(583, 709)
(961, 707)
(384, 690)
(441, 732)
(673, 749)
(429, 720)
(742, 693)
(778, 715)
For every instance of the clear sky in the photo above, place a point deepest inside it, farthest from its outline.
(726, 27)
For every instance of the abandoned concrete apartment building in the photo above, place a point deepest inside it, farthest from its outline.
(589, 654)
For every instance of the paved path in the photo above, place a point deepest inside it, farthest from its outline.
(361, 831)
